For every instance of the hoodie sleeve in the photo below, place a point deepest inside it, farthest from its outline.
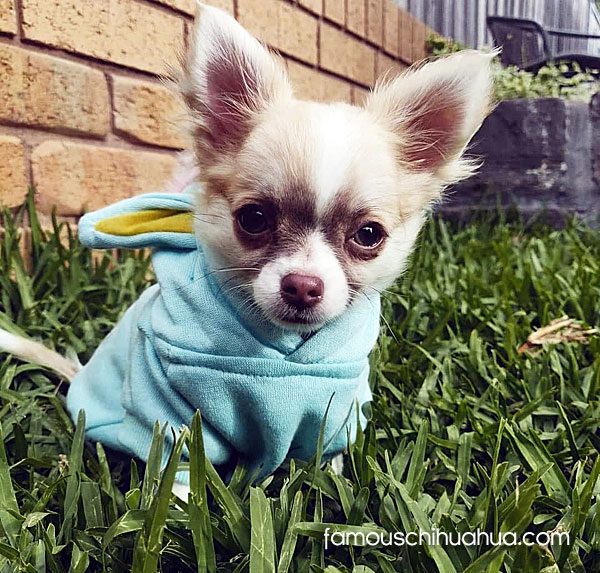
(155, 220)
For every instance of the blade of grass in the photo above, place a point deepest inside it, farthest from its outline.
(262, 540)
(199, 516)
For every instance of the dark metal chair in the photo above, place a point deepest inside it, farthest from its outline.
(526, 44)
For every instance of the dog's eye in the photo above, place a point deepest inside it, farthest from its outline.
(253, 219)
(369, 236)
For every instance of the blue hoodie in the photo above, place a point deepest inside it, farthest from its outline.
(184, 346)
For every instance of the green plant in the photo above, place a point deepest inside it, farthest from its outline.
(466, 432)
(440, 45)
(560, 80)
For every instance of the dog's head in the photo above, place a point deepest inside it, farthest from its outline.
(305, 206)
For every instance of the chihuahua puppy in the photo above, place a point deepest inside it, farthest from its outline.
(308, 206)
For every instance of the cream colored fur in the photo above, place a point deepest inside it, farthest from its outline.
(390, 155)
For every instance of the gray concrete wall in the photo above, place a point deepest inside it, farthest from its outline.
(539, 155)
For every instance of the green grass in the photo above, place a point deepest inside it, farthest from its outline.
(466, 433)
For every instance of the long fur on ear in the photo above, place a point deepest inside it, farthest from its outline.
(228, 78)
(434, 110)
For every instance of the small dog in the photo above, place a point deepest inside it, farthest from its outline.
(307, 208)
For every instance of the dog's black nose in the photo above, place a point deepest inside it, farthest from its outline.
(302, 291)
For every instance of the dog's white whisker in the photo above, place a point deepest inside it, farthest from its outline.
(230, 270)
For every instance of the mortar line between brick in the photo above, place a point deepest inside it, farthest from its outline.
(91, 62)
(34, 136)
(327, 72)
(19, 15)
(59, 131)
(399, 33)
(135, 143)
(296, 4)
(28, 166)
(384, 14)
(165, 8)
(367, 19)
(27, 148)
(111, 102)
(380, 49)
(319, 26)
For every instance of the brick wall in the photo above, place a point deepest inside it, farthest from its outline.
(85, 119)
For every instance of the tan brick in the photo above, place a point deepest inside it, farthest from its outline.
(335, 10)
(312, 84)
(77, 178)
(391, 25)
(405, 30)
(43, 91)
(298, 33)
(359, 95)
(419, 37)
(346, 56)
(148, 112)
(8, 16)
(282, 26)
(375, 21)
(388, 67)
(13, 173)
(261, 18)
(125, 32)
(189, 6)
(315, 6)
(226, 5)
(356, 16)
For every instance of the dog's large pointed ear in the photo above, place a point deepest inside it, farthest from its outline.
(434, 111)
(228, 77)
